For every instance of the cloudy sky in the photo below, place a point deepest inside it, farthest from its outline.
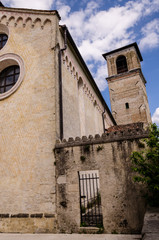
(101, 26)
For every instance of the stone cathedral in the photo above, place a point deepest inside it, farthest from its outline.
(56, 127)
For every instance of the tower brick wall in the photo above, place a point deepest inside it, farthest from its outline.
(127, 89)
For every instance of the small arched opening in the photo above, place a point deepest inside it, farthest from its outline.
(121, 64)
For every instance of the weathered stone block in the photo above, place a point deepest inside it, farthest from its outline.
(28, 225)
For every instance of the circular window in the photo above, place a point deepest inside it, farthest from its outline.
(8, 78)
(3, 40)
(11, 74)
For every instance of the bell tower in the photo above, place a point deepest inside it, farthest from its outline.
(128, 97)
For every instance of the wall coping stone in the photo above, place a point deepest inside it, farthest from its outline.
(127, 132)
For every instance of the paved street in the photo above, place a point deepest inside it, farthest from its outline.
(68, 237)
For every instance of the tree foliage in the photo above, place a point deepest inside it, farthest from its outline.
(146, 165)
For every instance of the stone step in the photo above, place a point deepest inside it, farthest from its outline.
(4, 236)
(151, 236)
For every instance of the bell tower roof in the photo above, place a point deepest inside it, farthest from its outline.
(123, 48)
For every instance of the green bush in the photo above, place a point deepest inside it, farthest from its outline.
(146, 164)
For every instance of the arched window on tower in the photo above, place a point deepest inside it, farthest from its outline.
(121, 64)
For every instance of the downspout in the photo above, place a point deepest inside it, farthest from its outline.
(104, 130)
(60, 83)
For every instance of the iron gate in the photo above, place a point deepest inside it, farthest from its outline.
(90, 199)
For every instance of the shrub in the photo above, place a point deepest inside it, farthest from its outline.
(146, 164)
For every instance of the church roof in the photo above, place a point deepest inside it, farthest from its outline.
(1, 4)
(130, 126)
(125, 47)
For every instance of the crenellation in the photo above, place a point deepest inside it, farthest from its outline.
(90, 137)
(117, 135)
(97, 136)
(70, 140)
(84, 138)
(77, 139)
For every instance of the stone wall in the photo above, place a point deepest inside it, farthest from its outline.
(82, 107)
(28, 132)
(133, 60)
(122, 204)
(127, 90)
(28, 223)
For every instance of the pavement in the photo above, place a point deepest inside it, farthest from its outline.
(150, 230)
(151, 236)
(4, 236)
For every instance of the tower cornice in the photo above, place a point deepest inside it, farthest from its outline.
(126, 75)
(123, 48)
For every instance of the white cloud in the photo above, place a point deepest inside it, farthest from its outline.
(155, 117)
(33, 4)
(150, 35)
(151, 6)
(97, 32)
(100, 77)
(99, 29)
(64, 9)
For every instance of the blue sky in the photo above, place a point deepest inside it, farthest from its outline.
(101, 26)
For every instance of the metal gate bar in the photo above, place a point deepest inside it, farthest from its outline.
(90, 200)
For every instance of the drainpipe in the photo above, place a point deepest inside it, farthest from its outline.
(60, 83)
(104, 130)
